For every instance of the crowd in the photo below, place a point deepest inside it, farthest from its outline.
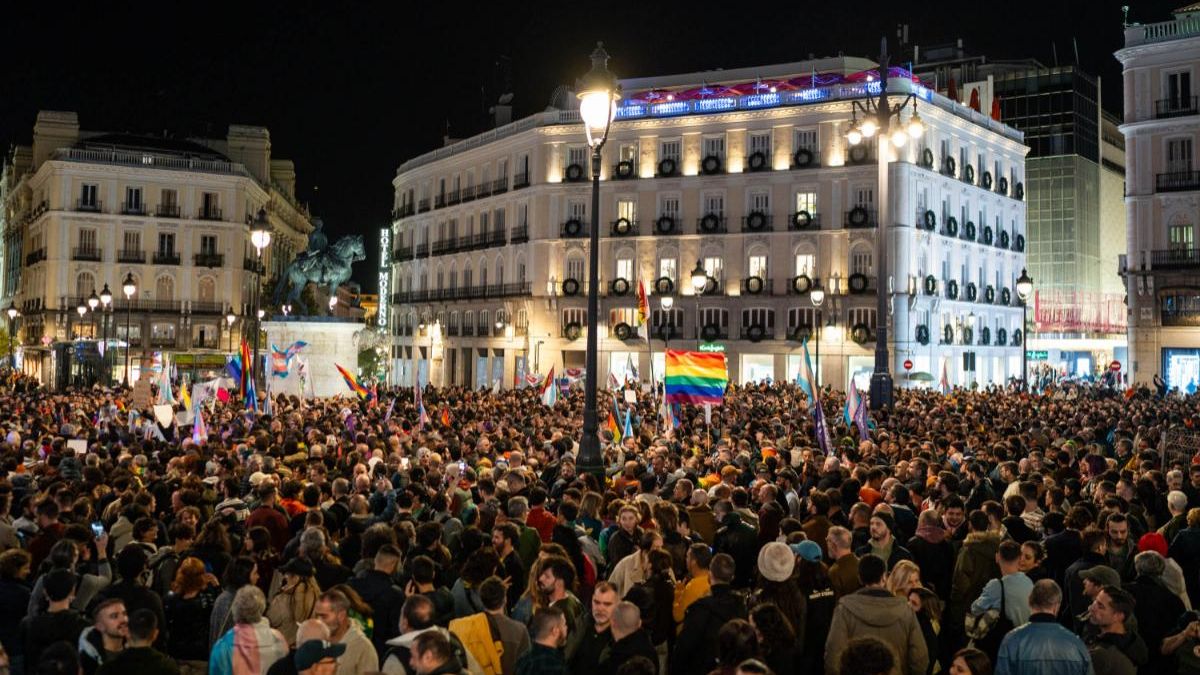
(973, 533)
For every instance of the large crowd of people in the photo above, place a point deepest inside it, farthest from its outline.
(983, 531)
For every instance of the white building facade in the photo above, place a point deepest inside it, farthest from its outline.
(762, 190)
(1162, 266)
(88, 209)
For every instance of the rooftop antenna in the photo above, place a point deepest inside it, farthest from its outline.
(1054, 48)
(1075, 44)
(1125, 16)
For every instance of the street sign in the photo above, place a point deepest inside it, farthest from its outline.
(712, 347)
(908, 364)
(1039, 355)
(1114, 366)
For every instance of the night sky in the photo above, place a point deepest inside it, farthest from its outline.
(350, 92)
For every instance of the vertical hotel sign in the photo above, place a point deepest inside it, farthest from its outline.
(385, 276)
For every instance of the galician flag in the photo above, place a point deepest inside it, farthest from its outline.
(549, 390)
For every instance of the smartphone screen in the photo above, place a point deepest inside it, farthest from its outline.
(98, 529)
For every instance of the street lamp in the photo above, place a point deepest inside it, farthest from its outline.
(260, 237)
(598, 94)
(129, 287)
(106, 298)
(1024, 290)
(817, 296)
(82, 309)
(666, 302)
(93, 302)
(12, 319)
(699, 282)
(229, 319)
(877, 119)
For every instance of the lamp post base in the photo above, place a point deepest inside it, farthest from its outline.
(881, 391)
(589, 459)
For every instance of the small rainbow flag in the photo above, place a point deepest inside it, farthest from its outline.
(614, 428)
(695, 377)
(445, 416)
(352, 382)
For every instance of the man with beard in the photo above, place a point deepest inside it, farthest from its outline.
(556, 578)
(585, 646)
(550, 631)
(1120, 549)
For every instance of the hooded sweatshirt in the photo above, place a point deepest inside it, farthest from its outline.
(875, 612)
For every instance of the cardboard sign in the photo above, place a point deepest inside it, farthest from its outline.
(141, 394)
(630, 396)
(164, 415)
(79, 445)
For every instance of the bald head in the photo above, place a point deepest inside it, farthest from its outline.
(311, 629)
(626, 619)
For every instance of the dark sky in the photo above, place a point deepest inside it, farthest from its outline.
(350, 90)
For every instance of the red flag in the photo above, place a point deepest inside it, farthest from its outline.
(975, 99)
(445, 416)
(996, 108)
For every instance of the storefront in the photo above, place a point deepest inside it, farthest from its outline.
(757, 368)
(1181, 368)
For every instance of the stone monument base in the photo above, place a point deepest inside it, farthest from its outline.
(330, 341)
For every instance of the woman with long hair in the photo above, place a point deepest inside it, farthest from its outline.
(812, 576)
(295, 598)
(928, 608)
(970, 661)
(240, 572)
(1033, 559)
(904, 577)
(257, 546)
(188, 609)
(776, 639)
(214, 547)
(736, 642)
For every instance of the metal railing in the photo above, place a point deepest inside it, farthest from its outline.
(500, 185)
(721, 226)
(751, 220)
(1177, 181)
(1186, 317)
(475, 292)
(209, 260)
(92, 253)
(166, 258)
(581, 231)
(453, 197)
(207, 307)
(423, 205)
(1179, 106)
(758, 286)
(1175, 258)
(145, 159)
(35, 256)
(630, 228)
(167, 211)
(96, 206)
(867, 223)
(210, 213)
(520, 234)
(520, 180)
(814, 222)
(128, 209)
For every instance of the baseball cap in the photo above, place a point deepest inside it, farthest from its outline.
(809, 550)
(313, 652)
(1103, 575)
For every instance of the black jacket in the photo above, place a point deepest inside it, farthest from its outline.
(1186, 551)
(695, 647)
(1062, 550)
(135, 596)
(1018, 530)
(936, 562)
(740, 541)
(1158, 611)
(1077, 601)
(39, 632)
(634, 644)
(385, 599)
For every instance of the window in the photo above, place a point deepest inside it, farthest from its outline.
(578, 211)
(208, 289)
(713, 267)
(164, 289)
(758, 316)
(801, 316)
(756, 265)
(523, 214)
(714, 204)
(715, 146)
(208, 244)
(85, 284)
(574, 315)
(1179, 155)
(1179, 89)
(574, 269)
(502, 169)
(625, 269)
(498, 220)
(577, 156)
(162, 332)
(133, 199)
(522, 322)
(668, 267)
(669, 150)
(87, 239)
(860, 262)
(627, 208)
(1179, 237)
(760, 201)
(806, 263)
(210, 203)
(672, 318)
(806, 139)
(166, 243)
(669, 206)
(627, 315)
(864, 197)
(761, 143)
(715, 316)
(806, 201)
(862, 315)
(132, 241)
(89, 196)
(629, 152)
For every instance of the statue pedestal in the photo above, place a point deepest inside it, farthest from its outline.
(329, 341)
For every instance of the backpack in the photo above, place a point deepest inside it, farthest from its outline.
(480, 637)
(988, 630)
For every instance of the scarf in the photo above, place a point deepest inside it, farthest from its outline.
(932, 533)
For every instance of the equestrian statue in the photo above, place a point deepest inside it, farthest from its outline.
(324, 265)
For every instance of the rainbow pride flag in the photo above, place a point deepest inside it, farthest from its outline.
(695, 377)
(352, 381)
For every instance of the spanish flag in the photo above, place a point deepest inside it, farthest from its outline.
(352, 382)
(614, 428)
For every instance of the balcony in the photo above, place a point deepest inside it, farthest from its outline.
(624, 227)
(575, 173)
(500, 186)
(203, 307)
(133, 209)
(711, 224)
(207, 343)
(1177, 181)
(443, 246)
(624, 170)
(667, 333)
(1179, 106)
(1181, 311)
(423, 205)
(210, 213)
(162, 341)
(520, 180)
(806, 158)
(209, 260)
(439, 201)
(35, 256)
(756, 333)
(453, 197)
(403, 211)
(421, 251)
(520, 234)
(758, 221)
(484, 190)
(120, 304)
(1179, 258)
(167, 211)
(574, 229)
(89, 206)
(859, 217)
(166, 258)
(860, 155)
(758, 286)
(468, 193)
(402, 253)
(482, 330)
(89, 253)
(452, 331)
(252, 265)
(468, 330)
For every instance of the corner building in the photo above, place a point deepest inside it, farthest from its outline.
(752, 178)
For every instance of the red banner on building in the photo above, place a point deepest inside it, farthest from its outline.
(1078, 311)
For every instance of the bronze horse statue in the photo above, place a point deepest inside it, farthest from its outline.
(328, 267)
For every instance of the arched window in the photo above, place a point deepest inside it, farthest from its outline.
(468, 277)
(164, 288)
(85, 285)
(207, 289)
(861, 259)
(499, 270)
(453, 276)
(440, 278)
